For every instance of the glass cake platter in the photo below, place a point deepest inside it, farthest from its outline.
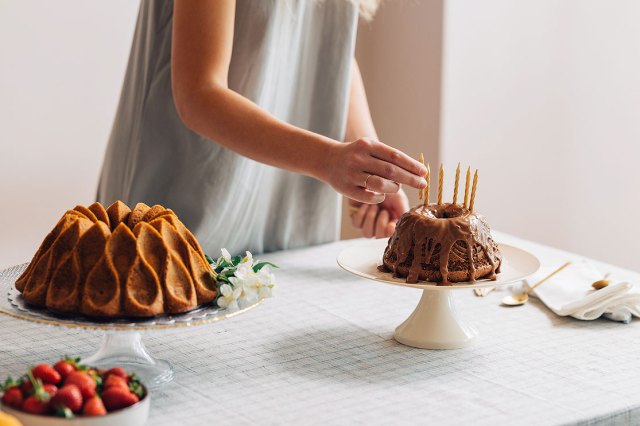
(436, 323)
(122, 341)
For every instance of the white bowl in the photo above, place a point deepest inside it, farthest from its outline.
(134, 415)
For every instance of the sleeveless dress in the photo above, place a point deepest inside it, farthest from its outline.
(292, 58)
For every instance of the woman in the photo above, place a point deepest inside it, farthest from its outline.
(231, 115)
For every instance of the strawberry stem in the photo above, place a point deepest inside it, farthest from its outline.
(38, 390)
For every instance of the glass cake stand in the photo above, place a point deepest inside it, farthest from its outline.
(121, 343)
(436, 323)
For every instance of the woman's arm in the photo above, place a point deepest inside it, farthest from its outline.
(201, 53)
(375, 220)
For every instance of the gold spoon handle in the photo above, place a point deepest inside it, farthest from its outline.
(547, 277)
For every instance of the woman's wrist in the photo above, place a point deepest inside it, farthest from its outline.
(320, 156)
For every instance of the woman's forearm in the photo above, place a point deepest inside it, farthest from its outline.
(235, 122)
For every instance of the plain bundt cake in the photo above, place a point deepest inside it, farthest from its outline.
(442, 243)
(119, 263)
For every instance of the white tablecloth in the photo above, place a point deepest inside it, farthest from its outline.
(321, 352)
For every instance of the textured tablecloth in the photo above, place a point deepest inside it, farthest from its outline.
(321, 352)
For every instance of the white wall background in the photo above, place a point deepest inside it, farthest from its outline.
(61, 68)
(543, 97)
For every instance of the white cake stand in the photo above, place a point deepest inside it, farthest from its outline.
(436, 323)
(122, 343)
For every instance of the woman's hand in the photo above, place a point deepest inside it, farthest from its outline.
(379, 220)
(366, 170)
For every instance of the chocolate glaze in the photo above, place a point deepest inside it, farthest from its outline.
(442, 243)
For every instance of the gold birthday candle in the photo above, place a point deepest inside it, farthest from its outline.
(440, 183)
(426, 190)
(420, 190)
(455, 185)
(473, 191)
(466, 188)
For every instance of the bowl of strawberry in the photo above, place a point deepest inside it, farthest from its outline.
(70, 393)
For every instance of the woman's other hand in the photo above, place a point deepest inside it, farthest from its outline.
(367, 170)
(379, 220)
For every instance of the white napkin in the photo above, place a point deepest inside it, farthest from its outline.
(569, 292)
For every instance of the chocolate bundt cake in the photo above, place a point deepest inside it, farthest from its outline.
(116, 262)
(443, 243)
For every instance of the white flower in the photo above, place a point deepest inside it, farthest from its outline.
(267, 282)
(248, 259)
(229, 297)
(244, 271)
(225, 254)
(249, 300)
(246, 286)
(249, 293)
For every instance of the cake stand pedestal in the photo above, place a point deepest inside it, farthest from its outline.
(125, 349)
(122, 344)
(436, 322)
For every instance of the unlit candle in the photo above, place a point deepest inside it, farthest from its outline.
(473, 191)
(455, 185)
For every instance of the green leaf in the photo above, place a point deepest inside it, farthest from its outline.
(135, 386)
(261, 265)
(236, 260)
(209, 259)
(62, 411)
(96, 377)
(223, 264)
(75, 362)
(9, 383)
(222, 280)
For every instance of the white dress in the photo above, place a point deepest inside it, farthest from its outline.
(292, 58)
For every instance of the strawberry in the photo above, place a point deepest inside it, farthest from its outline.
(68, 396)
(64, 368)
(13, 397)
(26, 387)
(117, 371)
(46, 373)
(50, 389)
(84, 381)
(33, 405)
(94, 407)
(116, 397)
(113, 380)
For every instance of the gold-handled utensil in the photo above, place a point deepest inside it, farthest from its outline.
(600, 284)
(521, 299)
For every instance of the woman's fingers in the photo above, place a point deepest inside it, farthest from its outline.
(397, 204)
(358, 217)
(381, 185)
(366, 169)
(365, 196)
(391, 155)
(382, 221)
(394, 173)
(391, 227)
(369, 221)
